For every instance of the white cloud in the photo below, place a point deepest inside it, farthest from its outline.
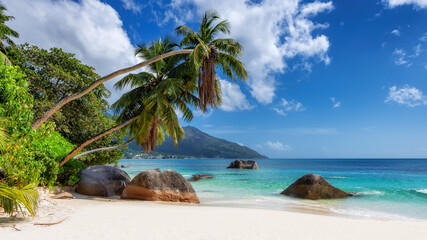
(131, 5)
(425, 66)
(395, 3)
(90, 28)
(424, 37)
(272, 32)
(232, 97)
(400, 57)
(417, 50)
(395, 32)
(409, 96)
(288, 106)
(200, 113)
(278, 146)
(336, 104)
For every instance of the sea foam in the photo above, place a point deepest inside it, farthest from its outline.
(422, 191)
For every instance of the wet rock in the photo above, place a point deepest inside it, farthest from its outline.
(241, 164)
(313, 187)
(200, 176)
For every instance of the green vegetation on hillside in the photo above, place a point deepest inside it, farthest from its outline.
(198, 144)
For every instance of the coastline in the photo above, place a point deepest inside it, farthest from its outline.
(108, 218)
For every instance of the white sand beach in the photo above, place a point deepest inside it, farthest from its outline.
(118, 219)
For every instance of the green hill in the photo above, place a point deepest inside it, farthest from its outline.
(199, 145)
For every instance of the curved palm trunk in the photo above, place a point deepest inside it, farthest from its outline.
(77, 149)
(38, 122)
(103, 149)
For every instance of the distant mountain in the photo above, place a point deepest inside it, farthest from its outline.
(199, 145)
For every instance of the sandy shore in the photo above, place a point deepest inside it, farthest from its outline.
(113, 219)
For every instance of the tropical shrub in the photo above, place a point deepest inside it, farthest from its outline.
(33, 156)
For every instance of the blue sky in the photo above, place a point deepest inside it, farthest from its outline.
(327, 78)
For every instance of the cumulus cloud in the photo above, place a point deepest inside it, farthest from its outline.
(272, 31)
(90, 28)
(396, 3)
(395, 32)
(232, 97)
(336, 104)
(408, 96)
(288, 106)
(278, 146)
(131, 5)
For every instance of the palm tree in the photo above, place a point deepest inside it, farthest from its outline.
(210, 53)
(207, 54)
(150, 107)
(5, 31)
(12, 198)
(157, 95)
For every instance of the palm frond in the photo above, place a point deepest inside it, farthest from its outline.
(11, 199)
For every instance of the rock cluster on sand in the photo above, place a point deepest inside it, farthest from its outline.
(102, 180)
(241, 164)
(153, 185)
(200, 176)
(313, 187)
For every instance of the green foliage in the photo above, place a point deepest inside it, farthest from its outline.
(54, 74)
(211, 53)
(15, 101)
(68, 174)
(32, 156)
(157, 96)
(12, 198)
(35, 157)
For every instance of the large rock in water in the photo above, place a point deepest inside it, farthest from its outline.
(241, 164)
(153, 185)
(313, 187)
(102, 180)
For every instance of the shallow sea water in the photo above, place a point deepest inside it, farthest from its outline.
(388, 188)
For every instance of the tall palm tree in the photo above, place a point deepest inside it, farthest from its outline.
(157, 95)
(210, 52)
(150, 107)
(5, 31)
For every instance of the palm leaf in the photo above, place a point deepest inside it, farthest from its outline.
(11, 199)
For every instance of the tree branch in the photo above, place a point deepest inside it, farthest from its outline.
(37, 123)
(77, 149)
(102, 149)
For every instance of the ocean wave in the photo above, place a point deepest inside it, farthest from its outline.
(422, 191)
(335, 177)
(371, 214)
(372, 192)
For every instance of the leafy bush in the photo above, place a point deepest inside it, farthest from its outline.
(34, 156)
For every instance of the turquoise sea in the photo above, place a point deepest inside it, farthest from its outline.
(388, 188)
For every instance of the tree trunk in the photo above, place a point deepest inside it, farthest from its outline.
(38, 122)
(77, 149)
(102, 149)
